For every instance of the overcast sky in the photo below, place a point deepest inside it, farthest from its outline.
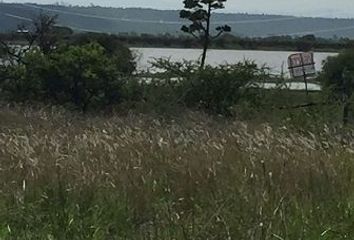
(324, 8)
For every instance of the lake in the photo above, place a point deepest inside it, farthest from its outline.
(276, 60)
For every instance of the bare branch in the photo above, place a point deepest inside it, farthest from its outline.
(194, 35)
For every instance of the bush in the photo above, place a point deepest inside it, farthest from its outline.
(16, 86)
(338, 72)
(83, 76)
(218, 89)
(213, 89)
(88, 75)
(338, 78)
(121, 55)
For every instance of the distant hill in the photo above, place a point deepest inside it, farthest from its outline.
(149, 21)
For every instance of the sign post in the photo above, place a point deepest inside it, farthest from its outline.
(302, 65)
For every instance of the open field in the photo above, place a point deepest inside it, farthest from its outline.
(67, 176)
(98, 142)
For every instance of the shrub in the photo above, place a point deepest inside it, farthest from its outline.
(338, 77)
(218, 89)
(338, 72)
(87, 75)
(213, 89)
(83, 75)
(121, 55)
(16, 86)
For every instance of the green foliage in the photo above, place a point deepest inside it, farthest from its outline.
(15, 85)
(192, 177)
(218, 89)
(338, 76)
(338, 72)
(89, 71)
(212, 89)
(83, 76)
(90, 76)
(114, 48)
(59, 214)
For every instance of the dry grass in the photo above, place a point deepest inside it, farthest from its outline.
(136, 177)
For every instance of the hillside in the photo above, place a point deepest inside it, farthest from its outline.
(133, 20)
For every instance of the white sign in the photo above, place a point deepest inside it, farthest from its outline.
(302, 64)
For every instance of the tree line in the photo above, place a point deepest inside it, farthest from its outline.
(227, 41)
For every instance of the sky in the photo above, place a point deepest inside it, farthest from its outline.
(314, 8)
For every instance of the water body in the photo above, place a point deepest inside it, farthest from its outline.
(275, 60)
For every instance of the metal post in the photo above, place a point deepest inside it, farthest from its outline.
(346, 95)
(304, 74)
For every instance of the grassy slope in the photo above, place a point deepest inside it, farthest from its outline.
(110, 20)
(137, 177)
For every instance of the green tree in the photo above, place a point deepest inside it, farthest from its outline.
(84, 75)
(81, 75)
(338, 76)
(121, 55)
(199, 12)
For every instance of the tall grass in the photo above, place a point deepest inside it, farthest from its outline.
(138, 177)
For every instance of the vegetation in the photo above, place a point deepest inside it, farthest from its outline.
(93, 72)
(87, 72)
(82, 76)
(180, 153)
(199, 12)
(114, 48)
(43, 33)
(214, 90)
(338, 77)
(193, 177)
(226, 41)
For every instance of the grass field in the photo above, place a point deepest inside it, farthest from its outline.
(65, 176)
